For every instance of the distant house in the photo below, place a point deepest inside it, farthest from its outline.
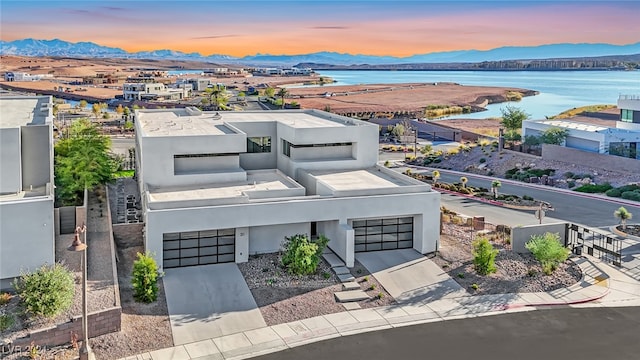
(26, 185)
(153, 91)
(22, 76)
(621, 140)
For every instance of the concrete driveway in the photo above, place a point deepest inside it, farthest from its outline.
(410, 277)
(209, 301)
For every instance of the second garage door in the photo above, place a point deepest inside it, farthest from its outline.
(198, 248)
(383, 234)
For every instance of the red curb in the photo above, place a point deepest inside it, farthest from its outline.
(517, 306)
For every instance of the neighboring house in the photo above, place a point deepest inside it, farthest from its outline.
(153, 91)
(622, 140)
(217, 187)
(21, 76)
(26, 191)
(198, 84)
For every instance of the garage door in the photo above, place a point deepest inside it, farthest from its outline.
(383, 234)
(198, 248)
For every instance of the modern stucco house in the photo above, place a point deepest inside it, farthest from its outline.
(622, 140)
(217, 187)
(26, 191)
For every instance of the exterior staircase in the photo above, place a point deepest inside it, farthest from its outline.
(351, 292)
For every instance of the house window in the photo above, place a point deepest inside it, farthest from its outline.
(259, 144)
(626, 115)
(286, 148)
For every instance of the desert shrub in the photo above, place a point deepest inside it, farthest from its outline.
(387, 163)
(484, 256)
(548, 251)
(145, 278)
(631, 195)
(482, 160)
(526, 197)
(302, 255)
(613, 193)
(632, 187)
(4, 298)
(6, 321)
(568, 175)
(571, 184)
(465, 191)
(593, 188)
(46, 292)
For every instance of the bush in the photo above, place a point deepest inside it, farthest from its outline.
(548, 251)
(613, 193)
(593, 188)
(4, 298)
(568, 175)
(631, 195)
(484, 256)
(571, 184)
(527, 197)
(6, 321)
(482, 160)
(302, 255)
(46, 292)
(632, 187)
(145, 278)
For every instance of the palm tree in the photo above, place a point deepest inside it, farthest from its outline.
(624, 215)
(464, 180)
(436, 175)
(495, 184)
(282, 93)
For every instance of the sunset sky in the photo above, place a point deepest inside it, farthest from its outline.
(398, 28)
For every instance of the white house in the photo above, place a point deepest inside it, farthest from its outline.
(622, 140)
(154, 91)
(26, 191)
(217, 187)
(22, 76)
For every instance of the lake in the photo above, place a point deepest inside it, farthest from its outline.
(559, 90)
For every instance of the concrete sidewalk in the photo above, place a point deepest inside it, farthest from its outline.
(599, 283)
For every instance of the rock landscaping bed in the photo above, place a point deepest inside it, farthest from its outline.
(283, 297)
(515, 272)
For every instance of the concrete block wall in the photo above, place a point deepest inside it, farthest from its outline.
(100, 323)
(610, 162)
(520, 235)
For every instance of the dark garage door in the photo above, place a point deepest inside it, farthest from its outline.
(383, 234)
(198, 248)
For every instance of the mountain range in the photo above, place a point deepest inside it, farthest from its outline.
(57, 47)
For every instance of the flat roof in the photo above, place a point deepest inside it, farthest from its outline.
(574, 125)
(360, 179)
(256, 181)
(22, 110)
(191, 121)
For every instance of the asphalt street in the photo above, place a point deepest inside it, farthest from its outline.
(558, 333)
(568, 207)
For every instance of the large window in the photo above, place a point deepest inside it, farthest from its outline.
(286, 148)
(261, 144)
(626, 115)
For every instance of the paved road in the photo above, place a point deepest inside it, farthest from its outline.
(560, 333)
(568, 207)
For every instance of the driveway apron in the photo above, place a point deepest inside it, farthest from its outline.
(209, 301)
(410, 277)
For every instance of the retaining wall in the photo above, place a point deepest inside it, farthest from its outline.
(575, 156)
(521, 234)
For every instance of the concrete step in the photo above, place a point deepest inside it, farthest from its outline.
(351, 296)
(344, 278)
(327, 251)
(351, 306)
(339, 270)
(333, 260)
(352, 285)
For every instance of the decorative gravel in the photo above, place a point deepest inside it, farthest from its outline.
(284, 297)
(515, 272)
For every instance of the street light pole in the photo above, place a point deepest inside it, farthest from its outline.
(85, 350)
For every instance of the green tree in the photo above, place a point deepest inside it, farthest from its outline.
(144, 278)
(283, 93)
(120, 110)
(623, 215)
(554, 135)
(217, 96)
(126, 112)
(82, 160)
(82, 104)
(398, 130)
(269, 92)
(495, 185)
(484, 256)
(96, 109)
(512, 118)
